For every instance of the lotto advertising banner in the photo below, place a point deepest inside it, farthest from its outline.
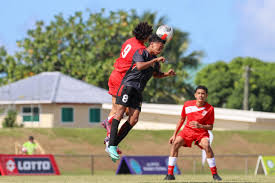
(144, 165)
(265, 165)
(28, 165)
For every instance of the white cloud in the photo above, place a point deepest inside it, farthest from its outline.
(257, 28)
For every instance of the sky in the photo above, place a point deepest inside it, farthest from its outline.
(223, 29)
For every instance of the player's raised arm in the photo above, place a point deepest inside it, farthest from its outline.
(171, 72)
(141, 65)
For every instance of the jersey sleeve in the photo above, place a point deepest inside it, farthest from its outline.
(139, 56)
(210, 119)
(183, 114)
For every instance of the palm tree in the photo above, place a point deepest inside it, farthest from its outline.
(175, 89)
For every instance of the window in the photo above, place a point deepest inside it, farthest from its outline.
(30, 114)
(94, 115)
(67, 114)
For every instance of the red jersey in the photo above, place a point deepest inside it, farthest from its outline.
(123, 63)
(204, 115)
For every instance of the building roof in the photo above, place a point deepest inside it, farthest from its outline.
(52, 87)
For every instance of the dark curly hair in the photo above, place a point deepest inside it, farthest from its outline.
(155, 38)
(203, 88)
(142, 31)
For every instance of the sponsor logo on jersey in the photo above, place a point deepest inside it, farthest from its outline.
(204, 112)
(191, 109)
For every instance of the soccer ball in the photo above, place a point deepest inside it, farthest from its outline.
(165, 32)
(24, 150)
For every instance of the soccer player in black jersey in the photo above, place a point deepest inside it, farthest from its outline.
(145, 64)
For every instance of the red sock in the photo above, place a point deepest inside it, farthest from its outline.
(109, 126)
(213, 170)
(111, 118)
(170, 170)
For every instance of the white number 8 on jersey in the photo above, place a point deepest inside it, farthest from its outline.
(125, 98)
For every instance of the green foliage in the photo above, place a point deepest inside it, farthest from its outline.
(10, 120)
(225, 82)
(86, 48)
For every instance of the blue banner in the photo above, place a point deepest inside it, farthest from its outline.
(34, 165)
(144, 165)
(28, 165)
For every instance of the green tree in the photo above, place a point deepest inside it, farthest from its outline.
(10, 119)
(158, 90)
(218, 78)
(225, 82)
(86, 48)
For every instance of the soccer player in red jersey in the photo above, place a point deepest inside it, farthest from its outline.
(200, 119)
(145, 64)
(141, 34)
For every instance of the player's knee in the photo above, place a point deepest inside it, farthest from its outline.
(176, 145)
(119, 113)
(134, 121)
(205, 145)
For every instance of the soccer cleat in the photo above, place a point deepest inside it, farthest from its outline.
(107, 124)
(106, 142)
(114, 160)
(113, 152)
(217, 177)
(169, 177)
(104, 123)
(118, 151)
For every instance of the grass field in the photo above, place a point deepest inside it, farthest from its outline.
(76, 145)
(134, 178)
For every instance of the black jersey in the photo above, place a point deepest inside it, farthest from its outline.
(138, 79)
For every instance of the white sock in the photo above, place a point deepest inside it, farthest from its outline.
(172, 161)
(211, 162)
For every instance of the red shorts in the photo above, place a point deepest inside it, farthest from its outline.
(189, 136)
(114, 82)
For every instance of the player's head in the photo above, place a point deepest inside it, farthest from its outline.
(156, 44)
(201, 93)
(142, 31)
(31, 138)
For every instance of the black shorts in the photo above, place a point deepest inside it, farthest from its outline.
(129, 97)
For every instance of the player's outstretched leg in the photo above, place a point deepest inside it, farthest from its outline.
(210, 158)
(213, 168)
(176, 144)
(123, 131)
(113, 138)
(108, 122)
(171, 165)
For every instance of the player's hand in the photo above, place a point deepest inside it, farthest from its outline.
(160, 59)
(172, 139)
(171, 72)
(195, 124)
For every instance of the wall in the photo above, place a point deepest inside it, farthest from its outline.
(50, 116)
